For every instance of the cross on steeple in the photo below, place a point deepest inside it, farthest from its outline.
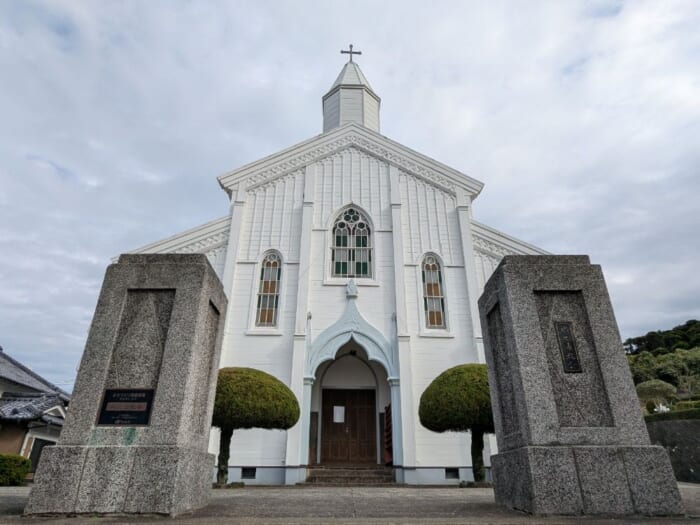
(351, 52)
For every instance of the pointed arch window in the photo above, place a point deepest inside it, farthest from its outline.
(351, 252)
(433, 293)
(268, 291)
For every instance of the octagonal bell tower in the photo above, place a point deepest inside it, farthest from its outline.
(351, 99)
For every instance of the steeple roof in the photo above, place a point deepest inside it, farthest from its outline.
(351, 99)
(351, 75)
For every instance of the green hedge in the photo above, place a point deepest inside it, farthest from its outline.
(457, 400)
(13, 469)
(250, 398)
(693, 413)
(686, 405)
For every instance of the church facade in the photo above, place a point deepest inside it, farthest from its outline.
(353, 266)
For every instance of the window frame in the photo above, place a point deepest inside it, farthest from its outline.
(424, 329)
(331, 278)
(432, 279)
(266, 329)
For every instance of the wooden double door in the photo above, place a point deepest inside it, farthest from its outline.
(349, 426)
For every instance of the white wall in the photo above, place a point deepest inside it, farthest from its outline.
(272, 219)
(429, 221)
(351, 176)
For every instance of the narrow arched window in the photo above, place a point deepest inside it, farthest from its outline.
(268, 292)
(433, 293)
(351, 252)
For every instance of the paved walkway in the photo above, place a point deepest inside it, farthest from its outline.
(357, 505)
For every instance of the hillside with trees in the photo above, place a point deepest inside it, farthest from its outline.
(665, 366)
(684, 337)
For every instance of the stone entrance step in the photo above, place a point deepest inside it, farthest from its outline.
(346, 475)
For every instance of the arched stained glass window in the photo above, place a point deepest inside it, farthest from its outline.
(433, 295)
(351, 253)
(268, 292)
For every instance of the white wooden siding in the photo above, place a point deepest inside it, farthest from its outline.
(371, 112)
(489, 248)
(430, 356)
(270, 353)
(350, 106)
(485, 264)
(272, 219)
(217, 259)
(256, 447)
(353, 176)
(327, 302)
(429, 220)
(331, 111)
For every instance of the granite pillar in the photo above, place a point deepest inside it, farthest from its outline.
(570, 432)
(136, 434)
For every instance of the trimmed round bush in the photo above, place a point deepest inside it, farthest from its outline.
(249, 398)
(458, 400)
(655, 390)
(13, 469)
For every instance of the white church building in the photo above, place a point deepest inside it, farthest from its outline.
(353, 266)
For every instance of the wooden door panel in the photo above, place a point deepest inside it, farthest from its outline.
(354, 440)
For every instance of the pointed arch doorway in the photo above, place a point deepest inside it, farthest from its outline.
(349, 406)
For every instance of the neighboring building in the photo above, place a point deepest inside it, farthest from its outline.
(32, 410)
(353, 268)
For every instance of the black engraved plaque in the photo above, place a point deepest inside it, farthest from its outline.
(567, 346)
(124, 407)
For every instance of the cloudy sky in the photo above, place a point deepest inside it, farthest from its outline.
(582, 119)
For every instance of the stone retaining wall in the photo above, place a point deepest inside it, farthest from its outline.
(682, 440)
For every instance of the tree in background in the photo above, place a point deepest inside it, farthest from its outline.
(249, 398)
(683, 336)
(458, 400)
(680, 368)
(642, 367)
(656, 391)
(673, 356)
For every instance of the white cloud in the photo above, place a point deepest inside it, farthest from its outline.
(581, 118)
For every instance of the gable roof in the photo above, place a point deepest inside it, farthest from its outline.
(200, 239)
(17, 373)
(349, 135)
(28, 407)
(491, 241)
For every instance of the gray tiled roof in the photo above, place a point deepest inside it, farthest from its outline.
(16, 372)
(28, 407)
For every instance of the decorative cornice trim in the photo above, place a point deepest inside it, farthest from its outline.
(273, 179)
(291, 167)
(205, 245)
(491, 248)
(492, 241)
(202, 239)
(303, 154)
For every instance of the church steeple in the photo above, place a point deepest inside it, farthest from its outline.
(351, 99)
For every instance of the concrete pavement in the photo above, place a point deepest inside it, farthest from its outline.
(343, 505)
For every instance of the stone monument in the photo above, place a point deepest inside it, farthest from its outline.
(137, 430)
(571, 438)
